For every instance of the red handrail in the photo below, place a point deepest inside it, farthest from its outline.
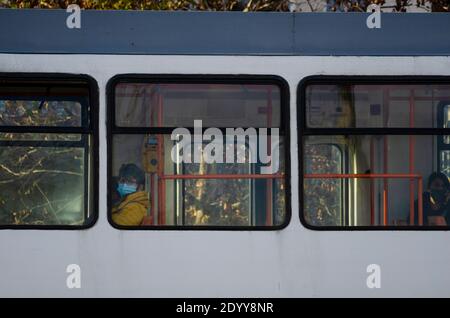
(363, 175)
(220, 176)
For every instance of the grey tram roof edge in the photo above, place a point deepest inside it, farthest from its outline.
(223, 33)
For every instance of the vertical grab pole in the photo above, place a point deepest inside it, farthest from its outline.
(152, 198)
(419, 200)
(269, 184)
(372, 184)
(385, 181)
(161, 181)
(385, 158)
(411, 158)
(152, 175)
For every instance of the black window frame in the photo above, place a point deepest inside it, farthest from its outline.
(89, 131)
(303, 131)
(112, 129)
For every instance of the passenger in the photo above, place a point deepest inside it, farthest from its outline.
(134, 202)
(436, 200)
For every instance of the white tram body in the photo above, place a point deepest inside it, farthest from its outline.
(290, 261)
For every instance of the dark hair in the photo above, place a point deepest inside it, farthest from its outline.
(438, 175)
(131, 170)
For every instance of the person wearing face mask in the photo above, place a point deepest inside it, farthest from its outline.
(436, 200)
(134, 202)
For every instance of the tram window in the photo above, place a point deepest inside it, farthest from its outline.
(351, 105)
(46, 153)
(188, 180)
(382, 179)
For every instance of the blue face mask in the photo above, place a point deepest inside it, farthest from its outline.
(126, 189)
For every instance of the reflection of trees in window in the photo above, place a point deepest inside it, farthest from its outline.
(279, 188)
(446, 122)
(229, 201)
(280, 201)
(331, 106)
(218, 201)
(41, 185)
(322, 197)
(444, 146)
(40, 113)
(42, 175)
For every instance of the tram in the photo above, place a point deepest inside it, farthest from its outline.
(201, 154)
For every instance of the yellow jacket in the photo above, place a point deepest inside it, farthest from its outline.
(132, 209)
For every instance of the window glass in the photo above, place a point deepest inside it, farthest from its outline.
(39, 136)
(177, 105)
(45, 178)
(42, 185)
(444, 146)
(373, 106)
(203, 177)
(445, 162)
(323, 197)
(446, 122)
(40, 113)
(394, 177)
(380, 187)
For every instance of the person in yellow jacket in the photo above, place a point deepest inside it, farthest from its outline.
(134, 203)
